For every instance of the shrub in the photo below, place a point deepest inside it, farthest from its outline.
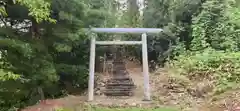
(223, 68)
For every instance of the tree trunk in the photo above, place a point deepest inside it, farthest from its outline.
(35, 30)
(41, 93)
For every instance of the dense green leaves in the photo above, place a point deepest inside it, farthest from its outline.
(38, 55)
(42, 44)
(212, 26)
(39, 9)
(220, 67)
(194, 27)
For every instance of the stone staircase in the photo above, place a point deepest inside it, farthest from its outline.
(120, 84)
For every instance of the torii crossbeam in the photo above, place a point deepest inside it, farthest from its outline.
(143, 42)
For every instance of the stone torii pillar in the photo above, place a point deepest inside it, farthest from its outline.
(143, 42)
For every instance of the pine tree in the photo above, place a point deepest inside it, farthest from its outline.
(41, 42)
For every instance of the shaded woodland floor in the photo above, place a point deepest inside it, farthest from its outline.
(169, 93)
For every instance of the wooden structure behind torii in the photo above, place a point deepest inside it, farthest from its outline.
(143, 42)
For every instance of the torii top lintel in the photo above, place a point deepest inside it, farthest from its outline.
(126, 30)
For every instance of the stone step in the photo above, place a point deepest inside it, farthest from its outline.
(117, 74)
(120, 84)
(121, 93)
(120, 72)
(120, 78)
(121, 87)
(118, 61)
(117, 90)
(119, 65)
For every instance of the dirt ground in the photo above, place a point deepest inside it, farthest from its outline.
(166, 90)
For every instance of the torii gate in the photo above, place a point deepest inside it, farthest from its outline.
(143, 42)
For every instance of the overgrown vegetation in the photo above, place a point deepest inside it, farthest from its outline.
(44, 53)
(205, 41)
(219, 67)
(214, 51)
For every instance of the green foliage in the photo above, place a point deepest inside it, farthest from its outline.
(5, 76)
(34, 52)
(33, 55)
(214, 27)
(222, 68)
(39, 9)
(175, 17)
(77, 74)
(3, 11)
(193, 25)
